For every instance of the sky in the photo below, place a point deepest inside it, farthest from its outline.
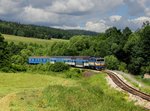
(93, 15)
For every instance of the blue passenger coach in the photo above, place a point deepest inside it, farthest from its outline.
(76, 61)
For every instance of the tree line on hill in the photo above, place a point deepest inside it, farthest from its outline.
(122, 49)
(40, 32)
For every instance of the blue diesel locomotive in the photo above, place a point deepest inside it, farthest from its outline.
(76, 61)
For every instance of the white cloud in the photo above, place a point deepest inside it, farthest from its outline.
(77, 14)
(117, 21)
(140, 20)
(83, 6)
(115, 18)
(60, 10)
(99, 26)
(69, 27)
(71, 6)
(106, 5)
(34, 15)
(9, 7)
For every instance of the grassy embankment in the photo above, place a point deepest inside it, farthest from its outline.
(138, 82)
(17, 39)
(145, 82)
(36, 92)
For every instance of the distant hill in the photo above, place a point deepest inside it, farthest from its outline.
(41, 32)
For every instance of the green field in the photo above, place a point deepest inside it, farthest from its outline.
(11, 82)
(17, 39)
(35, 92)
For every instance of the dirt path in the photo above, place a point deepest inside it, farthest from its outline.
(5, 101)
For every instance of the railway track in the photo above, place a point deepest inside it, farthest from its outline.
(126, 87)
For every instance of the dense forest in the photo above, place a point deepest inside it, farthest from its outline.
(122, 49)
(41, 32)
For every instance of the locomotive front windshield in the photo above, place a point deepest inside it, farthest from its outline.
(101, 60)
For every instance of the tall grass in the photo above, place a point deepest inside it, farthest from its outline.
(18, 82)
(92, 95)
(56, 93)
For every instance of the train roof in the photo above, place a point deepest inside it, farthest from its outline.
(39, 57)
(71, 57)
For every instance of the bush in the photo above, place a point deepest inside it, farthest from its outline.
(123, 66)
(17, 59)
(70, 74)
(111, 62)
(18, 68)
(74, 73)
(5, 69)
(79, 71)
(59, 66)
(47, 66)
(145, 70)
(40, 67)
(135, 65)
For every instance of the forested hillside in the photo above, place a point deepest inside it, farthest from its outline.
(123, 50)
(41, 32)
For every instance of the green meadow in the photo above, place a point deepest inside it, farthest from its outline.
(38, 92)
(16, 82)
(17, 39)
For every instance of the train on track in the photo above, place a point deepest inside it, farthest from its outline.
(97, 63)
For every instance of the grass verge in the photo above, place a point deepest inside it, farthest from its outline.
(142, 84)
(87, 94)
